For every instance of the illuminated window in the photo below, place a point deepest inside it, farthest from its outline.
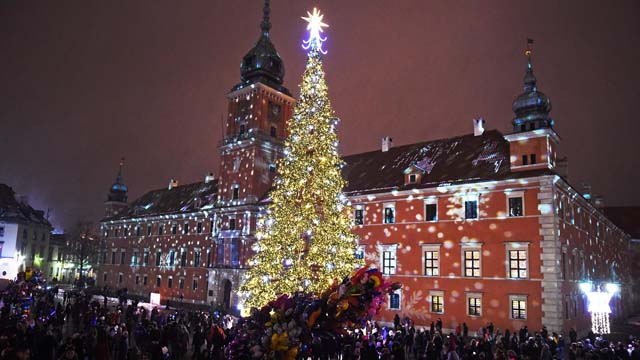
(517, 264)
(172, 257)
(196, 258)
(359, 215)
(235, 252)
(394, 299)
(183, 257)
(208, 258)
(516, 204)
(471, 263)
(388, 259)
(471, 209)
(199, 227)
(389, 214)
(431, 211)
(215, 225)
(170, 282)
(185, 229)
(474, 304)
(431, 259)
(436, 298)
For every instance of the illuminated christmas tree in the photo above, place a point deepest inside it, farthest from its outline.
(306, 243)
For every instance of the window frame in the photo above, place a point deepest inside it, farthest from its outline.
(514, 195)
(469, 306)
(391, 206)
(358, 209)
(517, 246)
(398, 293)
(518, 298)
(471, 247)
(430, 202)
(432, 294)
(430, 248)
(391, 249)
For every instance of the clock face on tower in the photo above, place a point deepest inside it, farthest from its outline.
(275, 112)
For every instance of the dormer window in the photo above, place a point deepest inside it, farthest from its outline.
(412, 178)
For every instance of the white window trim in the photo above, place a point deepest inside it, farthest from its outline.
(515, 194)
(430, 201)
(399, 293)
(516, 246)
(467, 247)
(466, 304)
(430, 247)
(246, 223)
(470, 197)
(363, 249)
(389, 205)
(364, 214)
(415, 178)
(436, 293)
(390, 247)
(526, 306)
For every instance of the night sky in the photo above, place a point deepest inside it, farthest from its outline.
(83, 83)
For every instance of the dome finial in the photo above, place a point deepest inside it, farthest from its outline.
(265, 25)
(529, 78)
(119, 176)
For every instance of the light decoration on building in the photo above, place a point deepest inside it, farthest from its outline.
(599, 305)
(306, 242)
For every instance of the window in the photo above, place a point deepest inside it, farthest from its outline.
(431, 261)
(181, 283)
(194, 285)
(145, 280)
(158, 281)
(172, 257)
(515, 206)
(208, 258)
(137, 279)
(235, 192)
(246, 224)
(215, 225)
(389, 214)
(360, 252)
(359, 215)
(437, 302)
(564, 265)
(148, 229)
(170, 282)
(474, 305)
(394, 300)
(104, 277)
(113, 257)
(138, 230)
(220, 249)
(235, 252)
(196, 258)
(119, 278)
(1, 231)
(388, 258)
(185, 229)
(183, 257)
(533, 159)
(431, 211)
(174, 229)
(273, 131)
(160, 229)
(517, 264)
(199, 227)
(116, 233)
(471, 209)
(471, 263)
(145, 257)
(412, 178)
(158, 257)
(518, 307)
(272, 168)
(134, 258)
(525, 160)
(232, 223)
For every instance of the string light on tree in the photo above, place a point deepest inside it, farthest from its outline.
(306, 242)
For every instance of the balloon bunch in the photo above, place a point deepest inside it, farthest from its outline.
(286, 327)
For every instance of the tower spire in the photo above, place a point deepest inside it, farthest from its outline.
(529, 78)
(119, 176)
(265, 25)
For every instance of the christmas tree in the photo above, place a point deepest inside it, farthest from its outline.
(306, 243)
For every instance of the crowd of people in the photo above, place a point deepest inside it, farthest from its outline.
(46, 326)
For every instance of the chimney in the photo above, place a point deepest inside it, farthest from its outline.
(478, 126)
(209, 178)
(562, 167)
(387, 143)
(173, 183)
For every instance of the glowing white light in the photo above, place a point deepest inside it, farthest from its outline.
(599, 306)
(314, 26)
(612, 288)
(154, 299)
(585, 287)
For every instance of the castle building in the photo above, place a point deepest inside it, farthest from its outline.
(478, 228)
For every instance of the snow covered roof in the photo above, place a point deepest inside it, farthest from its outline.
(14, 210)
(454, 160)
(180, 199)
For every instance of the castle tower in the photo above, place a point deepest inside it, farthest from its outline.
(117, 196)
(533, 143)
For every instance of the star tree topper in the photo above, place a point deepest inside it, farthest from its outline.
(314, 26)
